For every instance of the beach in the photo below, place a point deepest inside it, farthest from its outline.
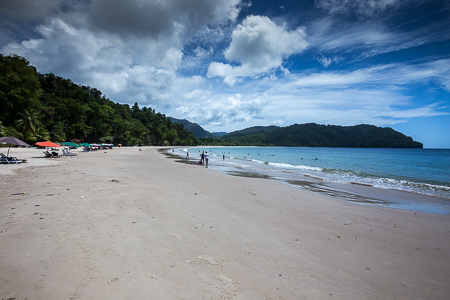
(130, 224)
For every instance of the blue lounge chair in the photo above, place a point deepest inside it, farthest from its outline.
(10, 160)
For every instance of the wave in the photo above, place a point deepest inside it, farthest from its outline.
(367, 179)
(287, 166)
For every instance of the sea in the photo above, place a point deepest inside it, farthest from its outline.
(413, 179)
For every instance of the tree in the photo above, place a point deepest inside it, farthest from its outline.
(19, 87)
(29, 124)
(2, 129)
(172, 136)
(57, 133)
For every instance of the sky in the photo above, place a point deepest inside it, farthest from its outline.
(231, 64)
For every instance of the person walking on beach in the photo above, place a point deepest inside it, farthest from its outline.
(206, 158)
(187, 155)
(202, 158)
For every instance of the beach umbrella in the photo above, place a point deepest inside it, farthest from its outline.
(13, 141)
(70, 144)
(47, 144)
(85, 145)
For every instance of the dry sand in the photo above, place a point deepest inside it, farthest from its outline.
(130, 224)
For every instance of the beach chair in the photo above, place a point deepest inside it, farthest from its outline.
(10, 162)
(10, 159)
(51, 155)
(70, 153)
(66, 152)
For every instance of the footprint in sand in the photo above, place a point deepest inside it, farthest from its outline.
(228, 287)
(178, 236)
(210, 260)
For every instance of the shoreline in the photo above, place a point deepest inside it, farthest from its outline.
(127, 224)
(362, 194)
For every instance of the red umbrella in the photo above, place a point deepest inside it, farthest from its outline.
(13, 141)
(47, 144)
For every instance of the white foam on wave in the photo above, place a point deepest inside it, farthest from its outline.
(391, 184)
(297, 167)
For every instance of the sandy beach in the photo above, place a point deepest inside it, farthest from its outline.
(130, 224)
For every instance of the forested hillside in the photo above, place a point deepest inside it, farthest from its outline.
(36, 107)
(196, 129)
(314, 135)
(250, 130)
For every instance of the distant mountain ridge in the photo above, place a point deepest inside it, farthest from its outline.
(314, 135)
(308, 135)
(196, 129)
(250, 130)
(199, 132)
(218, 133)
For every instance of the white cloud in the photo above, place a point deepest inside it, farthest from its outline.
(385, 76)
(357, 105)
(203, 53)
(222, 110)
(362, 8)
(331, 35)
(327, 61)
(218, 69)
(258, 45)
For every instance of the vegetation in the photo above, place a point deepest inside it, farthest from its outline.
(196, 129)
(36, 107)
(314, 135)
(250, 130)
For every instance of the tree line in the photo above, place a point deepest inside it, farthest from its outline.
(36, 107)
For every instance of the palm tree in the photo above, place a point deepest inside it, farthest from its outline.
(29, 124)
(57, 133)
(42, 134)
(2, 129)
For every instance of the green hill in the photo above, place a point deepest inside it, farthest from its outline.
(314, 135)
(196, 129)
(250, 130)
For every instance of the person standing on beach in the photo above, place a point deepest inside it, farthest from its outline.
(206, 158)
(187, 155)
(202, 158)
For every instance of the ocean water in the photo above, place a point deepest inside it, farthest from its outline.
(418, 171)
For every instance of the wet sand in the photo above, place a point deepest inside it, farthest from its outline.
(130, 224)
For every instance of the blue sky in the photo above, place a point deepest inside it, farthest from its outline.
(231, 64)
